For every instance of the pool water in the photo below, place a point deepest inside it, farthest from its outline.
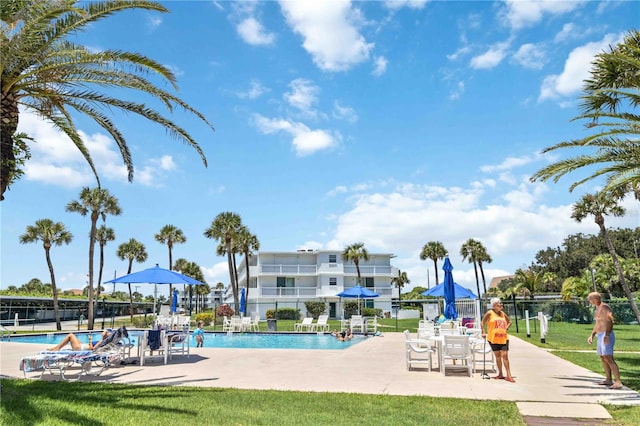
(220, 340)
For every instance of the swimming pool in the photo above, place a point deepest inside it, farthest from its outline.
(220, 340)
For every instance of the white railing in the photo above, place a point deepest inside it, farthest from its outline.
(313, 292)
(368, 270)
(289, 269)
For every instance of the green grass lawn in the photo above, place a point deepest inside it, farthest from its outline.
(33, 402)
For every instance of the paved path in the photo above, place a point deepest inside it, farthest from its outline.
(545, 384)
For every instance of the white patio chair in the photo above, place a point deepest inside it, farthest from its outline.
(178, 343)
(357, 322)
(226, 324)
(255, 323)
(414, 348)
(306, 324)
(146, 349)
(236, 323)
(483, 354)
(245, 324)
(456, 349)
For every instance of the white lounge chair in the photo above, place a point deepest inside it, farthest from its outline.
(357, 322)
(322, 325)
(305, 325)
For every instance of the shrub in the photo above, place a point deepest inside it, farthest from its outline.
(224, 310)
(205, 317)
(350, 308)
(372, 312)
(315, 308)
(142, 322)
(283, 313)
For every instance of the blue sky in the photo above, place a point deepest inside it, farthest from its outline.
(390, 123)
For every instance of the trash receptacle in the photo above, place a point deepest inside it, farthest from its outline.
(272, 324)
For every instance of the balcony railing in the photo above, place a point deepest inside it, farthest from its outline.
(306, 292)
(289, 269)
(368, 270)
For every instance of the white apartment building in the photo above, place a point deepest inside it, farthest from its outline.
(289, 279)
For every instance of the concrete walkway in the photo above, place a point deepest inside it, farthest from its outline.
(546, 385)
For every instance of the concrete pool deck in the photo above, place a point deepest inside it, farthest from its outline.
(546, 385)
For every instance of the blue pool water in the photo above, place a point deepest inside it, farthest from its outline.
(220, 340)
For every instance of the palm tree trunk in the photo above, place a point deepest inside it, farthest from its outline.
(232, 275)
(623, 282)
(435, 265)
(92, 244)
(8, 127)
(484, 281)
(131, 294)
(246, 261)
(54, 290)
(475, 268)
(100, 273)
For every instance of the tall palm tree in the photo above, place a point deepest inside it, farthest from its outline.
(132, 250)
(247, 243)
(614, 149)
(600, 205)
(481, 257)
(103, 236)
(51, 234)
(527, 281)
(193, 270)
(469, 251)
(224, 229)
(434, 250)
(53, 76)
(95, 202)
(354, 253)
(400, 282)
(170, 235)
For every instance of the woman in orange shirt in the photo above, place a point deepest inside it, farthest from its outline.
(495, 324)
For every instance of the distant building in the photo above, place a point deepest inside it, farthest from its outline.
(495, 281)
(288, 279)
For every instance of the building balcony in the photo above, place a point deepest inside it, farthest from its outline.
(310, 292)
(288, 270)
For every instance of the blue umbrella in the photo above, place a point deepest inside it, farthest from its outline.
(174, 301)
(155, 275)
(460, 292)
(449, 291)
(243, 301)
(358, 292)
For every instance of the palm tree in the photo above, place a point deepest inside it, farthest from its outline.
(95, 202)
(53, 77)
(247, 243)
(434, 250)
(354, 253)
(400, 281)
(482, 256)
(614, 84)
(469, 250)
(103, 236)
(224, 228)
(527, 281)
(132, 250)
(600, 205)
(51, 234)
(170, 235)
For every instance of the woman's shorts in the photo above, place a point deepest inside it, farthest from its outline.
(601, 348)
(496, 347)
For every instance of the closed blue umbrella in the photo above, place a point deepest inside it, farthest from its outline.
(449, 291)
(243, 301)
(174, 301)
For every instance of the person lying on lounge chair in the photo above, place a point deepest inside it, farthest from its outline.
(76, 345)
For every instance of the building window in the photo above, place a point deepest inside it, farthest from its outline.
(333, 281)
(333, 258)
(368, 282)
(285, 282)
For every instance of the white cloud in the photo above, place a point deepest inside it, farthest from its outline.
(305, 141)
(399, 4)
(219, 272)
(576, 69)
(508, 163)
(154, 22)
(303, 94)
(255, 91)
(330, 32)
(520, 14)
(457, 91)
(531, 56)
(344, 113)
(491, 58)
(458, 53)
(568, 32)
(252, 32)
(380, 66)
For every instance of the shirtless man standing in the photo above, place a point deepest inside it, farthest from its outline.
(603, 330)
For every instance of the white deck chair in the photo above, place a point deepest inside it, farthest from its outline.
(178, 343)
(456, 349)
(226, 323)
(147, 351)
(357, 322)
(413, 348)
(236, 323)
(255, 323)
(245, 324)
(322, 325)
(305, 325)
(483, 354)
